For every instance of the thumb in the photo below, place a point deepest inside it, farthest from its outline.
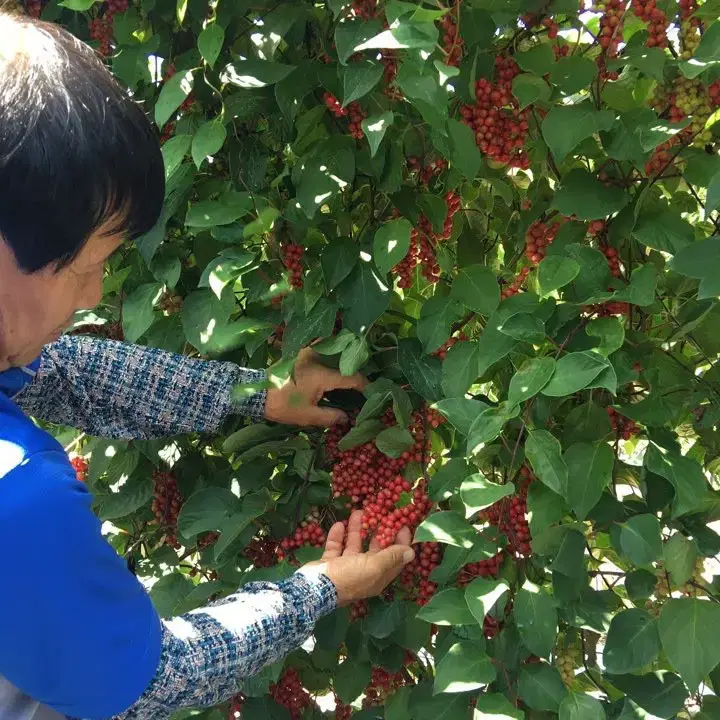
(392, 559)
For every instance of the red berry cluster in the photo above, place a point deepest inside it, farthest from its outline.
(532, 20)
(358, 610)
(613, 260)
(561, 50)
(514, 287)
(500, 127)
(356, 115)
(552, 27)
(167, 132)
(597, 227)
(687, 8)
(290, 693)
(334, 105)
(207, 540)
(623, 427)
(482, 568)
(292, 255)
(101, 31)
(714, 92)
(656, 21)
(262, 552)
(342, 711)
(389, 59)
(115, 7)
(80, 466)
(539, 235)
(416, 575)
(364, 9)
(236, 706)
(442, 351)
(510, 516)
(382, 685)
(426, 172)
(422, 250)
(610, 308)
(166, 505)
(450, 40)
(611, 27)
(661, 159)
(305, 534)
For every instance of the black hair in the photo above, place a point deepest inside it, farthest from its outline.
(75, 150)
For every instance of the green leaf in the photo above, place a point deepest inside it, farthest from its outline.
(590, 468)
(477, 493)
(700, 260)
(361, 433)
(138, 312)
(543, 452)
(448, 479)
(680, 555)
(573, 73)
(460, 368)
(530, 379)
(690, 635)
(565, 127)
(385, 619)
(173, 93)
(210, 42)
(206, 510)
(482, 595)
(364, 296)
(486, 427)
(130, 497)
(351, 678)
(661, 693)
(583, 195)
(78, 5)
(632, 642)
(685, 475)
(208, 140)
(394, 441)
(352, 33)
(640, 539)
(359, 78)
(463, 668)
(255, 73)
(374, 128)
(541, 687)
(461, 412)
(301, 330)
(391, 244)
(536, 619)
(423, 372)
(464, 153)
(476, 287)
(338, 260)
(437, 317)
(555, 272)
(529, 89)
(524, 327)
(538, 60)
(174, 152)
(496, 707)
(227, 209)
(706, 54)
(581, 707)
(447, 607)
(446, 527)
(611, 332)
(649, 61)
(666, 231)
(354, 356)
(573, 372)
(169, 593)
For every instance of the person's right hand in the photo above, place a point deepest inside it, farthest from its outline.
(357, 574)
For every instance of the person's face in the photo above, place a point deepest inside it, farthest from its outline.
(36, 308)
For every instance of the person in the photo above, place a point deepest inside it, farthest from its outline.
(80, 173)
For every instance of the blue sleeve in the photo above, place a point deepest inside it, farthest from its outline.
(77, 630)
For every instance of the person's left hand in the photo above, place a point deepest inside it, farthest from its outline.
(296, 402)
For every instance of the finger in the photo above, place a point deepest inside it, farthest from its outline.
(353, 543)
(334, 542)
(374, 546)
(324, 417)
(333, 380)
(404, 537)
(390, 562)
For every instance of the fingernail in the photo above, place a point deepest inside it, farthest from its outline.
(408, 556)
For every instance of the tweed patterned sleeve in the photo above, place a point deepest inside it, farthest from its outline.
(113, 389)
(208, 651)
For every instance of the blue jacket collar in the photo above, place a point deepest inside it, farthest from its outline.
(14, 380)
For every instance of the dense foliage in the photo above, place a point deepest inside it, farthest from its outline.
(504, 212)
